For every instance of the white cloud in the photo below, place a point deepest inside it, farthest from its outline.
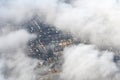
(14, 62)
(86, 62)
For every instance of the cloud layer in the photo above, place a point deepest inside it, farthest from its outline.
(86, 62)
(14, 62)
(94, 22)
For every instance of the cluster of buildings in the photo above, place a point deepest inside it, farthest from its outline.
(49, 42)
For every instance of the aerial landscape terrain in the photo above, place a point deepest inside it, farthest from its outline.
(59, 39)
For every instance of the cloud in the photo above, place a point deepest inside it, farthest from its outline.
(86, 62)
(94, 22)
(14, 62)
